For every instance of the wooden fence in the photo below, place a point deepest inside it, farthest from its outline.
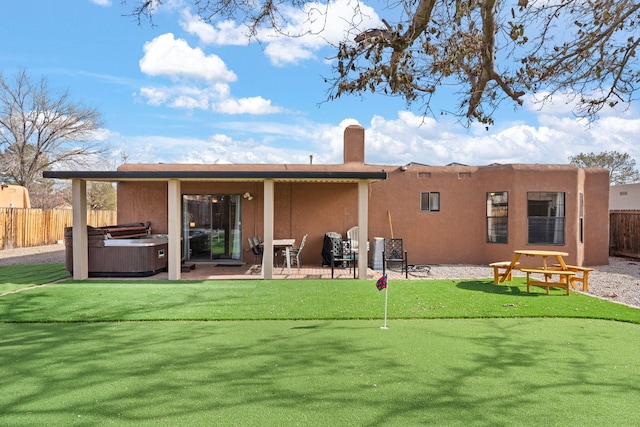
(34, 227)
(624, 233)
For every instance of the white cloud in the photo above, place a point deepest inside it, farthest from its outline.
(155, 96)
(222, 33)
(103, 3)
(167, 56)
(566, 104)
(402, 140)
(310, 29)
(201, 80)
(216, 98)
(395, 141)
(253, 105)
(218, 149)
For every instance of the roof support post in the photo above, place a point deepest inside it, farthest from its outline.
(173, 219)
(267, 254)
(363, 228)
(80, 240)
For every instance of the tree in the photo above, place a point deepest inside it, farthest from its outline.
(39, 129)
(101, 196)
(622, 168)
(49, 194)
(490, 50)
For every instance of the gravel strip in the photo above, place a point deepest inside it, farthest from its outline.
(48, 254)
(619, 281)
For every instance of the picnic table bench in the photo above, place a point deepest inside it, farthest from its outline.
(507, 267)
(582, 278)
(564, 278)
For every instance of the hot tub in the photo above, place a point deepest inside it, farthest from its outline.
(125, 257)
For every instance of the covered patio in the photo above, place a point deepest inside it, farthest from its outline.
(174, 177)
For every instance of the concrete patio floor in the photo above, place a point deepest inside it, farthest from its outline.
(213, 271)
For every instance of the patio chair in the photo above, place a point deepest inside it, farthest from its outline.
(294, 254)
(352, 234)
(257, 241)
(345, 256)
(393, 253)
(255, 250)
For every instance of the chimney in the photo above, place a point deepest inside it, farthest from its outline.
(354, 144)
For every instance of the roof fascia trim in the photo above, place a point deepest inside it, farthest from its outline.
(211, 175)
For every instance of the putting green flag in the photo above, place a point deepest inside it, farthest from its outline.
(382, 284)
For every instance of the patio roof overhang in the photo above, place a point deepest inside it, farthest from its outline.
(254, 175)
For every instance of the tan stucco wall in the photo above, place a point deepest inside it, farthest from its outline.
(143, 201)
(455, 234)
(14, 196)
(624, 197)
(596, 219)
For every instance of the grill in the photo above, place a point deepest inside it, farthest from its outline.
(332, 245)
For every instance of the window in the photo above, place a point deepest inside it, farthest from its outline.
(546, 221)
(497, 217)
(430, 201)
(581, 217)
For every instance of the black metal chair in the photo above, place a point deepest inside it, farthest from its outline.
(345, 256)
(394, 253)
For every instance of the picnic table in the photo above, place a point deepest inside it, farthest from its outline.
(515, 261)
(559, 269)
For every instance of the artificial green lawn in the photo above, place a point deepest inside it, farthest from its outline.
(15, 277)
(185, 353)
(79, 301)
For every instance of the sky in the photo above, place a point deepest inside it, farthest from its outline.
(184, 91)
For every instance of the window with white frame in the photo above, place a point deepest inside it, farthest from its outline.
(429, 201)
(546, 217)
(497, 217)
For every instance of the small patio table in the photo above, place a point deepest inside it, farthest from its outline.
(287, 245)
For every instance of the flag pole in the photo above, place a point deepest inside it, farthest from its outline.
(382, 284)
(386, 295)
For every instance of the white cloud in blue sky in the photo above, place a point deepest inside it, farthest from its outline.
(310, 30)
(167, 56)
(188, 91)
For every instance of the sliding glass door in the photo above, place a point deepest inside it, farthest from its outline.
(211, 227)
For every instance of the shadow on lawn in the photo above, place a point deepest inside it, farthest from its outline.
(245, 373)
(491, 288)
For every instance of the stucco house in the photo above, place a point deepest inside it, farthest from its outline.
(14, 196)
(444, 214)
(624, 197)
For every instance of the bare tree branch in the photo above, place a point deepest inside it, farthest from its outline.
(39, 130)
(491, 50)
